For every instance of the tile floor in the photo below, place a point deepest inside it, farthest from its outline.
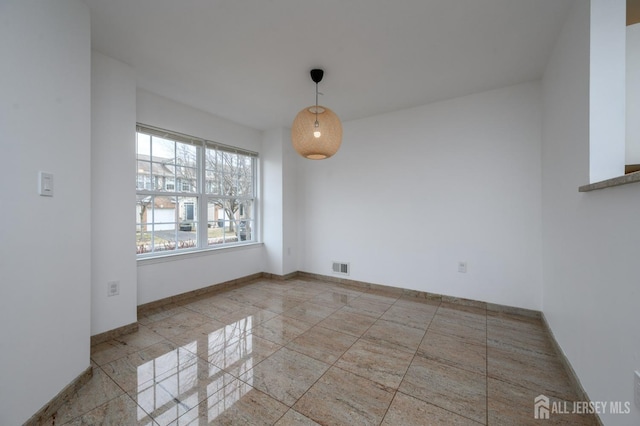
(310, 352)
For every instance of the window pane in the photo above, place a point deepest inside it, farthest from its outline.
(221, 221)
(166, 223)
(164, 236)
(229, 221)
(143, 146)
(246, 223)
(188, 178)
(169, 171)
(245, 176)
(212, 160)
(212, 183)
(162, 148)
(186, 155)
(161, 176)
(143, 231)
(188, 215)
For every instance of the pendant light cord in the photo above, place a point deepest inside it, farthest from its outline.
(316, 123)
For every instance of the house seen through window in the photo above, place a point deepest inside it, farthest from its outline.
(192, 193)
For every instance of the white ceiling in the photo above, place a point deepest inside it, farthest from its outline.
(249, 60)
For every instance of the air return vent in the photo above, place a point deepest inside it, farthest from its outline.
(341, 268)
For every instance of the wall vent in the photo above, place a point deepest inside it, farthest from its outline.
(341, 268)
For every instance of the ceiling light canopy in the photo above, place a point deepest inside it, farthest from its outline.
(316, 132)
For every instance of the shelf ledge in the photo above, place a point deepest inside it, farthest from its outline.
(617, 181)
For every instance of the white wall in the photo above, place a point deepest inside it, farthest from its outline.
(165, 113)
(271, 202)
(633, 95)
(161, 278)
(607, 89)
(290, 212)
(45, 251)
(279, 202)
(590, 240)
(113, 258)
(413, 192)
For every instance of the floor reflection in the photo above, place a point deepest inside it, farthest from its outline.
(173, 384)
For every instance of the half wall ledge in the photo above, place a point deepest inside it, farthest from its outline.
(609, 183)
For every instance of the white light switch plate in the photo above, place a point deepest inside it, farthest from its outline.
(45, 184)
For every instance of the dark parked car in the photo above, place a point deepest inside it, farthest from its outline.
(187, 225)
(243, 230)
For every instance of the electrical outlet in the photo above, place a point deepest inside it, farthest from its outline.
(636, 386)
(113, 288)
(462, 267)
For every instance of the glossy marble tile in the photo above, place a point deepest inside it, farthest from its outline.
(416, 303)
(281, 329)
(380, 298)
(348, 323)
(169, 396)
(198, 334)
(257, 315)
(244, 296)
(286, 375)
(323, 344)
(116, 412)
(456, 390)
(303, 291)
(378, 363)
(293, 418)
(148, 316)
(235, 404)
(454, 351)
(455, 315)
(406, 410)
(543, 374)
(333, 299)
(417, 318)
(313, 352)
(310, 312)
(528, 337)
(367, 306)
(469, 307)
(99, 390)
(395, 335)
(180, 323)
(278, 304)
(470, 331)
(124, 345)
(237, 356)
(141, 366)
(510, 404)
(343, 398)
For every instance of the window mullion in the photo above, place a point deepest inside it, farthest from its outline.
(203, 229)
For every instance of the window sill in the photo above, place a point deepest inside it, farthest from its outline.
(170, 257)
(609, 183)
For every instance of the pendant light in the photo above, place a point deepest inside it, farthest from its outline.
(316, 132)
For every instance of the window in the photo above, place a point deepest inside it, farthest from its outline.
(192, 193)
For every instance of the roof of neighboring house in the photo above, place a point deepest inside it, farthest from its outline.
(168, 202)
(160, 165)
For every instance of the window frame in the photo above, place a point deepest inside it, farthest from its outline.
(201, 197)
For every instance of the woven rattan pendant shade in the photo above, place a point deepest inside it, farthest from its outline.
(303, 128)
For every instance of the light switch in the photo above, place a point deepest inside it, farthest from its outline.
(45, 184)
